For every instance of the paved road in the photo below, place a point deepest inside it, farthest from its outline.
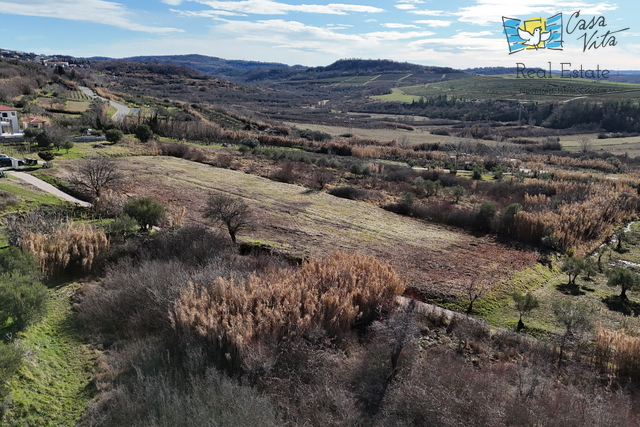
(45, 186)
(122, 110)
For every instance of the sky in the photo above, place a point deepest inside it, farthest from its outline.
(461, 34)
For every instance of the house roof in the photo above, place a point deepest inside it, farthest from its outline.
(5, 108)
(32, 120)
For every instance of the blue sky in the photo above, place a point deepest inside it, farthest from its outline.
(431, 32)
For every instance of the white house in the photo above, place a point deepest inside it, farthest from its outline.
(9, 127)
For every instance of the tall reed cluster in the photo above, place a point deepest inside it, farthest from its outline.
(618, 353)
(325, 296)
(70, 245)
(577, 223)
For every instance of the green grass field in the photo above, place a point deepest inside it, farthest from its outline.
(550, 286)
(29, 196)
(508, 87)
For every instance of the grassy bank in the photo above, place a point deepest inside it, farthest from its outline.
(54, 384)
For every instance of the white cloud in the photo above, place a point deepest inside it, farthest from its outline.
(487, 12)
(205, 13)
(172, 2)
(339, 26)
(433, 22)
(396, 35)
(293, 35)
(405, 6)
(269, 7)
(396, 25)
(464, 41)
(98, 11)
(429, 12)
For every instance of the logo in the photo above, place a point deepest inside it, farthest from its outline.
(534, 33)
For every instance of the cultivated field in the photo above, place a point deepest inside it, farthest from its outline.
(508, 87)
(629, 145)
(418, 135)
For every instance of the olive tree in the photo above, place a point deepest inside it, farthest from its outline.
(573, 267)
(146, 211)
(524, 304)
(626, 279)
(143, 132)
(575, 317)
(114, 135)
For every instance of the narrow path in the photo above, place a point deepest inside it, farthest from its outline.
(122, 110)
(45, 186)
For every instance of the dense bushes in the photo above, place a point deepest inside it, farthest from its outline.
(183, 151)
(22, 301)
(162, 400)
(349, 193)
(184, 304)
(22, 295)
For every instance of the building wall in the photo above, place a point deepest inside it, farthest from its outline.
(12, 118)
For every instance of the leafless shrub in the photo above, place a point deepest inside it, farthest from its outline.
(231, 212)
(167, 400)
(586, 143)
(322, 177)
(96, 174)
(223, 161)
(286, 173)
(132, 302)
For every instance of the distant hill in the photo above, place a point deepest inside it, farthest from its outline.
(377, 66)
(213, 65)
(391, 70)
(491, 71)
(254, 71)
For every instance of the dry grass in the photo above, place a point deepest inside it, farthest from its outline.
(417, 136)
(303, 222)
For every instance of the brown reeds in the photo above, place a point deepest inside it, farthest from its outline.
(331, 294)
(618, 353)
(70, 245)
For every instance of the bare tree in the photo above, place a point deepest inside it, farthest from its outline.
(96, 174)
(232, 212)
(585, 143)
(322, 177)
(474, 291)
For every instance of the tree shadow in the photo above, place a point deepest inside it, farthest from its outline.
(570, 289)
(627, 307)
